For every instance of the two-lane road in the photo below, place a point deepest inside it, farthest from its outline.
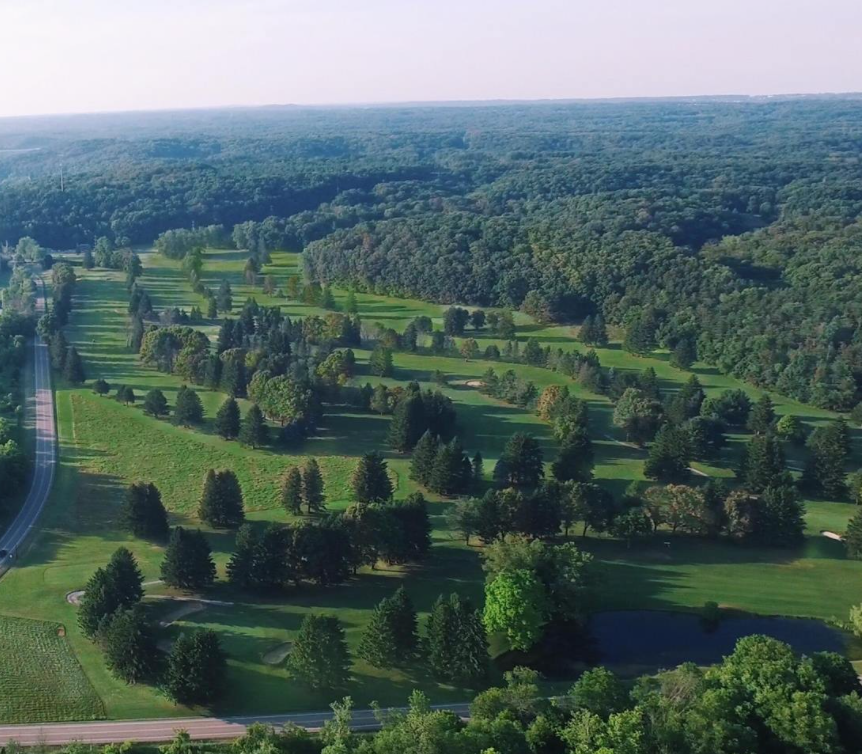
(200, 728)
(46, 453)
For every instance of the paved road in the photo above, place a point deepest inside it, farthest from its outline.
(205, 728)
(46, 453)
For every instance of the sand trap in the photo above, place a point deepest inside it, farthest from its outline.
(277, 655)
(181, 612)
(74, 598)
(473, 383)
(832, 535)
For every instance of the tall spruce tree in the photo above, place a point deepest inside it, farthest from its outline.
(188, 408)
(221, 502)
(197, 668)
(144, 513)
(370, 482)
(227, 419)
(155, 403)
(130, 646)
(762, 463)
(291, 491)
(390, 638)
(408, 423)
(451, 472)
(574, 462)
(319, 657)
(313, 487)
(73, 368)
(456, 641)
(669, 455)
(253, 430)
(424, 455)
(188, 562)
(853, 536)
(761, 419)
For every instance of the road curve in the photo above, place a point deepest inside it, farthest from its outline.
(46, 452)
(201, 728)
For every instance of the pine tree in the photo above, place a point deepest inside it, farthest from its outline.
(101, 387)
(319, 657)
(669, 455)
(188, 562)
(762, 416)
(408, 423)
(762, 463)
(130, 646)
(478, 465)
(126, 577)
(521, 463)
(457, 644)
(327, 300)
(313, 487)
(221, 502)
(451, 472)
(73, 367)
(59, 349)
(253, 430)
(684, 354)
(424, 455)
(240, 567)
(350, 305)
(380, 362)
(390, 638)
(224, 297)
(233, 375)
(188, 408)
(197, 668)
(380, 399)
(291, 491)
(585, 334)
(853, 536)
(575, 459)
(227, 419)
(370, 481)
(98, 602)
(144, 513)
(155, 403)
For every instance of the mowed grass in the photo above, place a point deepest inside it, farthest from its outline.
(40, 678)
(105, 445)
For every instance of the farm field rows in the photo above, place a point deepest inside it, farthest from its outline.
(105, 446)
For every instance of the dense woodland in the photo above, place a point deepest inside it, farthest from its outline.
(733, 225)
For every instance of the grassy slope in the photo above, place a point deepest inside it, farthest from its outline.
(105, 445)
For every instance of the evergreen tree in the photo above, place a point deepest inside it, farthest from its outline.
(73, 368)
(224, 297)
(521, 463)
(227, 419)
(640, 336)
(188, 562)
(390, 638)
(240, 567)
(313, 487)
(253, 430)
(380, 362)
(188, 408)
(144, 513)
(585, 334)
(155, 403)
(380, 399)
(456, 640)
(327, 300)
(59, 349)
(408, 423)
(853, 536)
(575, 459)
(319, 657)
(291, 491)
(119, 585)
(350, 305)
(824, 471)
(136, 333)
(197, 668)
(684, 354)
(126, 576)
(762, 463)
(669, 455)
(856, 414)
(130, 646)
(221, 502)
(233, 375)
(451, 472)
(424, 455)
(370, 482)
(685, 403)
(780, 517)
(762, 416)
(478, 465)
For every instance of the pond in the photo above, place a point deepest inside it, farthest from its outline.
(666, 639)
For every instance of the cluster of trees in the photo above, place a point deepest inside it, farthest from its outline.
(15, 327)
(65, 359)
(111, 614)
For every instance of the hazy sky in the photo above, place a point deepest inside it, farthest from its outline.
(91, 55)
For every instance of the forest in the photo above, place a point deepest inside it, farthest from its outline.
(732, 226)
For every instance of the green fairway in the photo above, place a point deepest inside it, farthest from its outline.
(104, 446)
(40, 677)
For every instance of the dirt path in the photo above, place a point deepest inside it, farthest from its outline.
(696, 472)
(181, 612)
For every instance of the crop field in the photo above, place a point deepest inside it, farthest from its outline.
(104, 446)
(40, 678)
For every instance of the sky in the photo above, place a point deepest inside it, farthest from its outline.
(60, 56)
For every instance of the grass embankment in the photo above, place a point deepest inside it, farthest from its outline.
(105, 445)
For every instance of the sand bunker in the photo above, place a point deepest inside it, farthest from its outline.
(74, 598)
(277, 655)
(832, 535)
(473, 383)
(181, 612)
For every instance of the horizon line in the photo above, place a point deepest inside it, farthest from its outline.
(492, 102)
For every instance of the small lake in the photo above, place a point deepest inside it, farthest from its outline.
(667, 639)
